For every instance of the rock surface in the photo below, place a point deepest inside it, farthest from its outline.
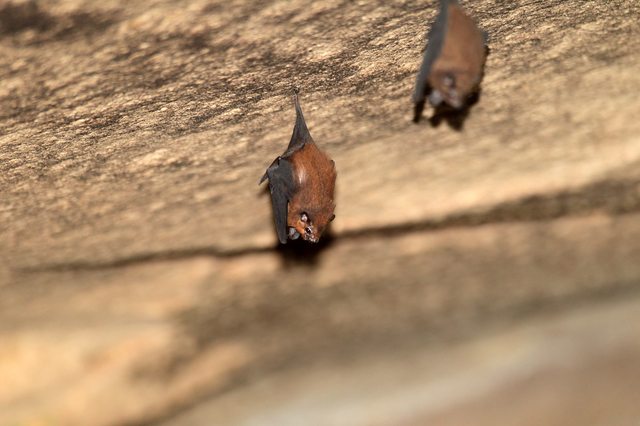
(541, 372)
(139, 267)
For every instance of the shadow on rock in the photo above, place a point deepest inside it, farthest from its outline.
(15, 17)
(302, 253)
(455, 118)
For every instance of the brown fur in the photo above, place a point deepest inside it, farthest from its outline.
(314, 176)
(462, 56)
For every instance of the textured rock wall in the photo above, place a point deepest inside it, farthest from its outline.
(139, 269)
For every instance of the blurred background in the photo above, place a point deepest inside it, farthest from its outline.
(486, 273)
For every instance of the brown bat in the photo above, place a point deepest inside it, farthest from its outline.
(302, 183)
(453, 60)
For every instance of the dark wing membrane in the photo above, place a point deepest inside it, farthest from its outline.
(280, 176)
(300, 134)
(436, 36)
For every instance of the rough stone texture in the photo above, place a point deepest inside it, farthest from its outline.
(138, 268)
(542, 372)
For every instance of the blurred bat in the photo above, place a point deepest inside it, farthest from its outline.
(453, 60)
(302, 183)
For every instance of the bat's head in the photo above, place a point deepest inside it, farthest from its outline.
(446, 90)
(309, 229)
(452, 87)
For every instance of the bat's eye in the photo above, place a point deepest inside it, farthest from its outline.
(304, 218)
(308, 231)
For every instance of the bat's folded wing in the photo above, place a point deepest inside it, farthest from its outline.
(280, 176)
(436, 38)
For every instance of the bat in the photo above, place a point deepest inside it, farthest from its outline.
(453, 60)
(302, 183)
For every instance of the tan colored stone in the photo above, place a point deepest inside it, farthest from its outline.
(138, 269)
